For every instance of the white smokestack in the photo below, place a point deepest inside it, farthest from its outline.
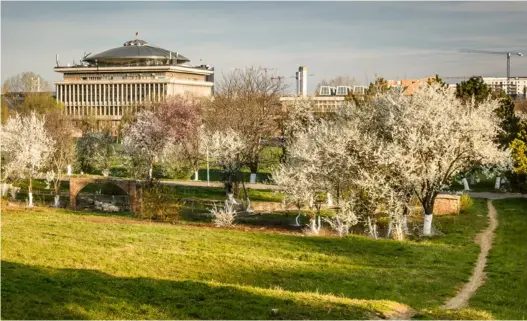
(301, 81)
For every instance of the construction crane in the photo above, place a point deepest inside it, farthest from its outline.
(507, 53)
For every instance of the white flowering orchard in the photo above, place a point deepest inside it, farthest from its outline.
(383, 151)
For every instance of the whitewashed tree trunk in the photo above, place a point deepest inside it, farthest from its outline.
(427, 226)
(252, 178)
(315, 224)
(466, 187)
(69, 170)
(196, 175)
(404, 223)
(390, 228)
(57, 201)
(330, 199)
(150, 172)
(372, 228)
(497, 185)
(30, 204)
(297, 223)
(5, 189)
(248, 208)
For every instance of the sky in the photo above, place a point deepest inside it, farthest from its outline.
(362, 40)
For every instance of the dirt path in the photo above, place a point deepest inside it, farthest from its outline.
(484, 239)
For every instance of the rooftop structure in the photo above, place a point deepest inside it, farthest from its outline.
(109, 84)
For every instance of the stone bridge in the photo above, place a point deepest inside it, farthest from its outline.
(128, 186)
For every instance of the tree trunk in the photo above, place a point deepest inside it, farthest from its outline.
(56, 189)
(314, 228)
(390, 227)
(196, 175)
(466, 187)
(497, 185)
(330, 199)
(69, 170)
(296, 219)
(372, 228)
(404, 223)
(429, 212)
(150, 171)
(30, 191)
(254, 169)
(427, 226)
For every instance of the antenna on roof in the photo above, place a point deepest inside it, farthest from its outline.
(57, 59)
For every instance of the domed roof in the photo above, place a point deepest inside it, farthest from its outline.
(136, 51)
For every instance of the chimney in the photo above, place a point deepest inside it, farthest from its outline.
(301, 81)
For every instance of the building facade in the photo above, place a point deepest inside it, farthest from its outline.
(517, 85)
(121, 80)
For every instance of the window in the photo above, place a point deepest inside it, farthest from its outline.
(325, 91)
(342, 90)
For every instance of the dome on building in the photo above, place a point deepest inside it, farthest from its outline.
(137, 52)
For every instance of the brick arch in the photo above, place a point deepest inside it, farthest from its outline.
(128, 186)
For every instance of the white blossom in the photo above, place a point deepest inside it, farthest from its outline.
(26, 147)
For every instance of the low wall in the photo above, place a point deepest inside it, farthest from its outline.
(446, 204)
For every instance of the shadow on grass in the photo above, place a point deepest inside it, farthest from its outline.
(31, 292)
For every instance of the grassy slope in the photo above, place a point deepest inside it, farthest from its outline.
(58, 264)
(505, 290)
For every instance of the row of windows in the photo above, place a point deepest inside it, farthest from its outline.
(112, 92)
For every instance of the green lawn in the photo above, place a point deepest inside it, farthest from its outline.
(505, 290)
(59, 264)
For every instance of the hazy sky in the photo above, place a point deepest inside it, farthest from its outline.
(357, 39)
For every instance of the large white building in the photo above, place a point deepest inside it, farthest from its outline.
(111, 83)
(517, 85)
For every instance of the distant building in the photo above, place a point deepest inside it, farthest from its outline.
(111, 83)
(327, 99)
(409, 85)
(517, 85)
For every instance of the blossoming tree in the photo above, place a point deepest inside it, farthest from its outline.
(26, 147)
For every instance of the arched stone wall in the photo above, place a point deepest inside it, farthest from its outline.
(128, 186)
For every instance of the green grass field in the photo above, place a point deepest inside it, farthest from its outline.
(58, 264)
(505, 291)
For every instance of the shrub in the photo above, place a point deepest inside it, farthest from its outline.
(159, 203)
(118, 171)
(224, 217)
(465, 203)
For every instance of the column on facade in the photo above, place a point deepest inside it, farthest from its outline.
(92, 91)
(83, 100)
(79, 99)
(134, 97)
(105, 99)
(69, 99)
(74, 98)
(92, 98)
(119, 98)
(149, 86)
(58, 93)
(110, 100)
(86, 99)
